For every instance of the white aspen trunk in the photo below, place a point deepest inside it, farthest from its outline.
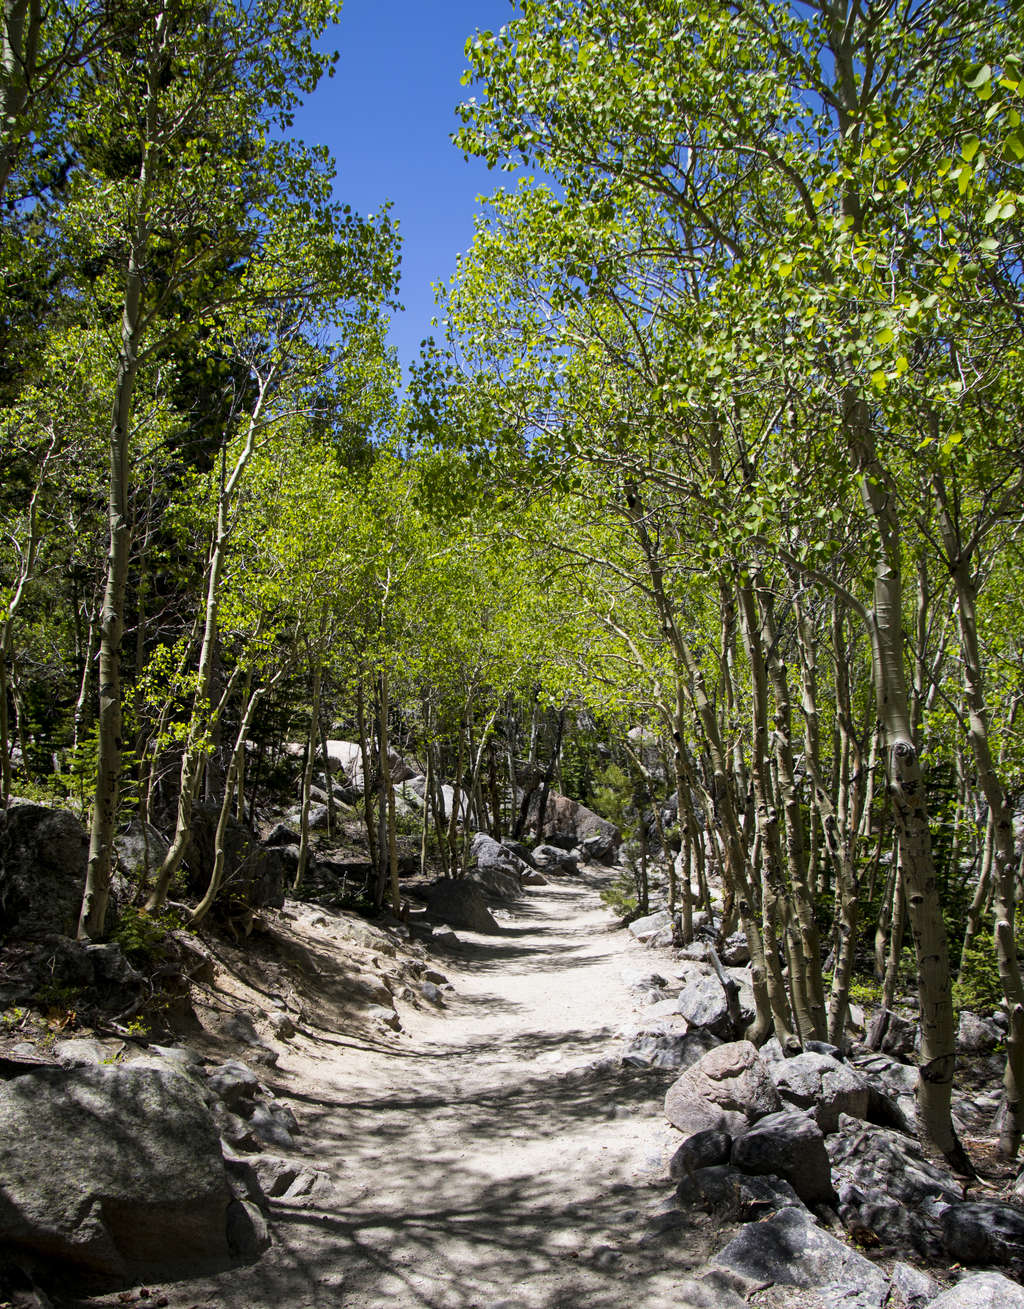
(217, 875)
(899, 914)
(203, 713)
(19, 49)
(734, 862)
(774, 909)
(806, 953)
(365, 758)
(312, 741)
(909, 798)
(92, 919)
(1004, 860)
(475, 778)
(389, 794)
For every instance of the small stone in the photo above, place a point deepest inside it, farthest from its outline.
(386, 1016)
(272, 1128)
(233, 1082)
(247, 1232)
(282, 1026)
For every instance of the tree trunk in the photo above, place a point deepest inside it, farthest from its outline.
(389, 793)
(899, 913)
(369, 781)
(217, 875)
(909, 798)
(549, 772)
(204, 714)
(312, 741)
(1000, 825)
(92, 919)
(19, 51)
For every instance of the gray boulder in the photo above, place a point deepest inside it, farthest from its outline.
(497, 869)
(790, 1249)
(138, 852)
(575, 824)
(735, 950)
(291, 1180)
(552, 859)
(500, 885)
(912, 1287)
(662, 1045)
(318, 817)
(985, 1232)
(234, 1083)
(273, 1124)
(282, 834)
(702, 1002)
(982, 1291)
(888, 1187)
(824, 1085)
(251, 878)
(520, 851)
(43, 854)
(891, 1034)
(702, 1150)
(460, 902)
(644, 928)
(724, 1091)
(895, 1085)
(79, 1052)
(743, 1197)
(113, 1171)
(791, 1146)
(976, 1035)
(599, 848)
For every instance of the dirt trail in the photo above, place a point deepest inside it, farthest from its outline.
(497, 1157)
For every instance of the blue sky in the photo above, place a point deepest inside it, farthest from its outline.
(386, 116)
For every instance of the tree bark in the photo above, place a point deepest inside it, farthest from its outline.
(909, 796)
(92, 919)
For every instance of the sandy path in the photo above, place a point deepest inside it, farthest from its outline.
(498, 1157)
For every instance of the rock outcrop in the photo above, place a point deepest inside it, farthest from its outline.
(43, 854)
(115, 1172)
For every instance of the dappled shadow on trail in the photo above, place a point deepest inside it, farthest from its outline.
(543, 1105)
(477, 1242)
(505, 956)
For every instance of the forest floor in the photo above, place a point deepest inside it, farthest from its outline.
(494, 1154)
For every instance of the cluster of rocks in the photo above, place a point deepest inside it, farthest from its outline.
(499, 873)
(793, 1145)
(568, 826)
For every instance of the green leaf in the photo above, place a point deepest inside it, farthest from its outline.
(980, 78)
